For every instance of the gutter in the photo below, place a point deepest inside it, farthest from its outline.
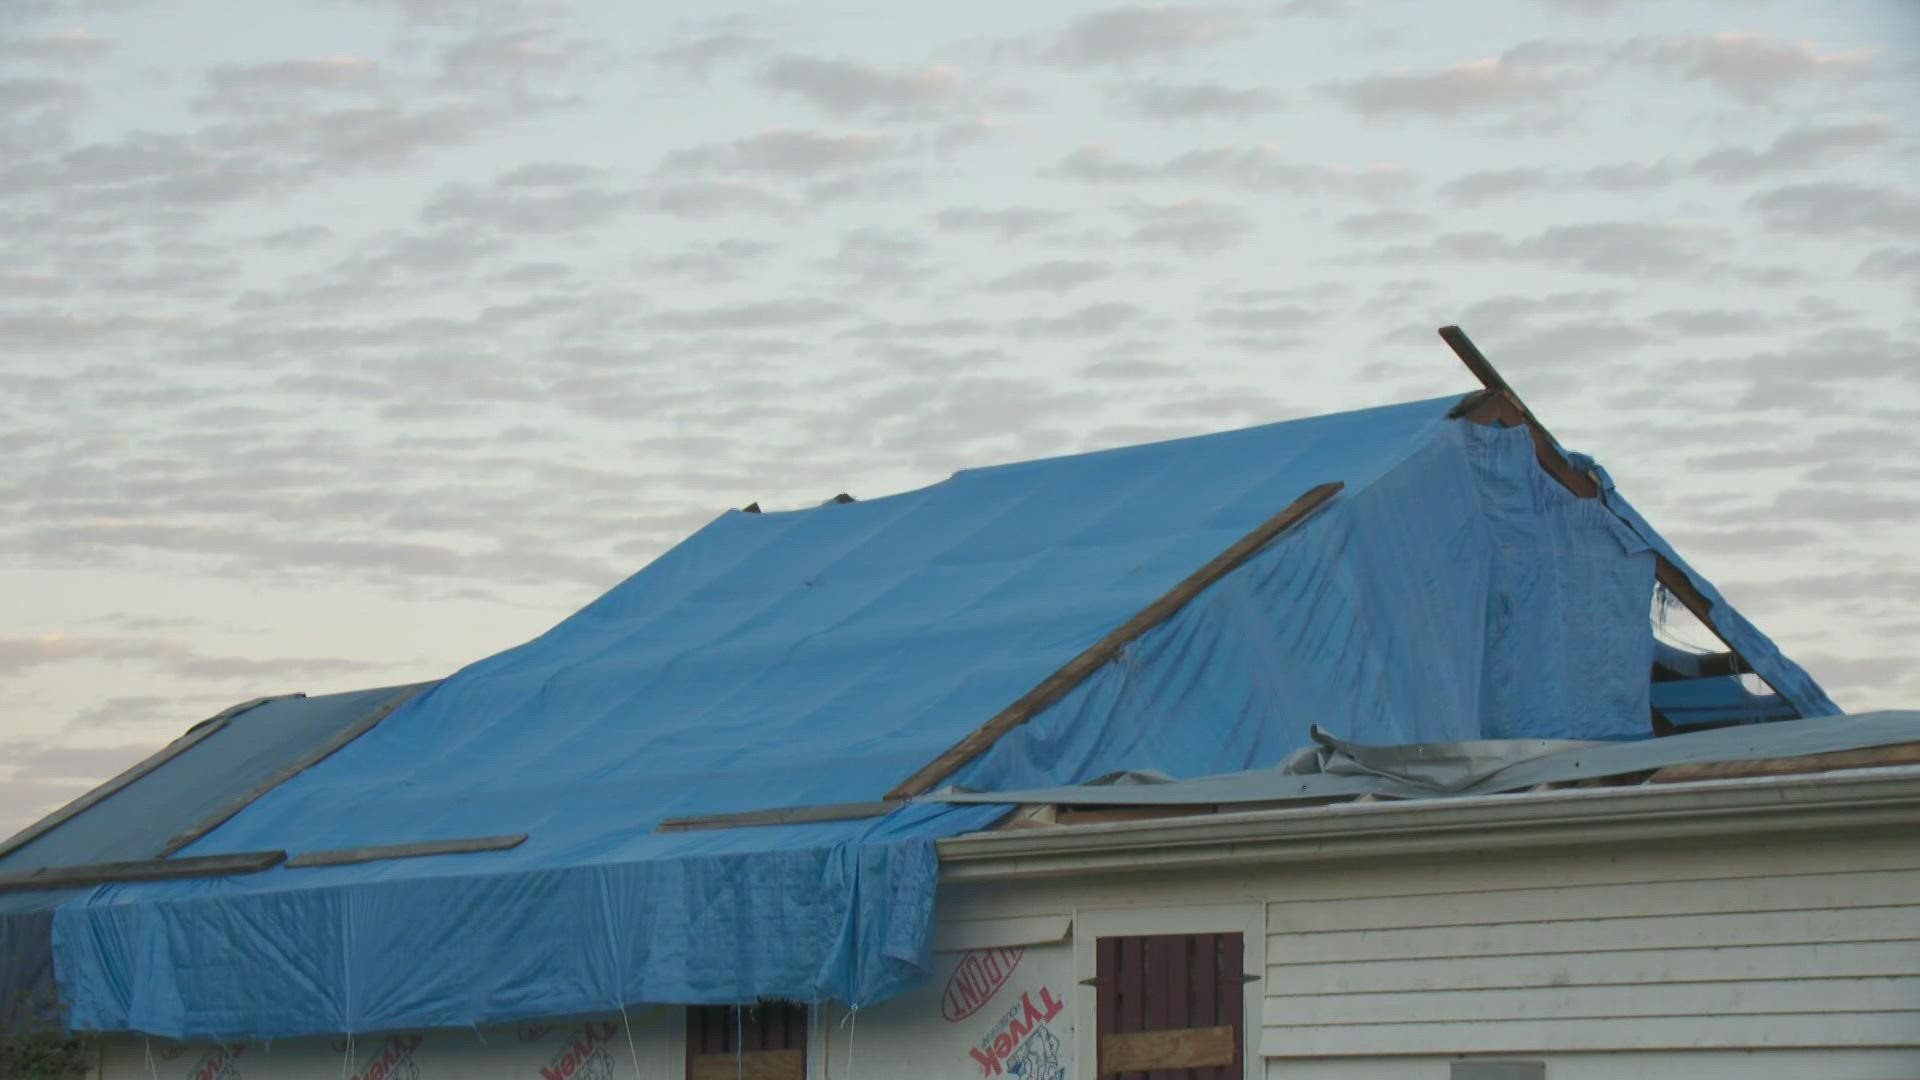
(1859, 799)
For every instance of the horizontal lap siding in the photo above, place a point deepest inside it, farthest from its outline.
(1825, 1064)
(1542, 961)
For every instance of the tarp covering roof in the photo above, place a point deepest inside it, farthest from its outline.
(1450, 591)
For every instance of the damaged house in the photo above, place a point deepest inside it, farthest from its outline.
(1336, 748)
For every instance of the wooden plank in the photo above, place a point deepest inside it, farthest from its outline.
(1546, 450)
(749, 1065)
(1233, 987)
(1177, 1048)
(790, 815)
(193, 736)
(1875, 924)
(1075, 671)
(70, 877)
(299, 765)
(1574, 966)
(1870, 757)
(1203, 980)
(1104, 815)
(1132, 1014)
(344, 856)
(1891, 1028)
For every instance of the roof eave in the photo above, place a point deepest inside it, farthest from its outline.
(1861, 799)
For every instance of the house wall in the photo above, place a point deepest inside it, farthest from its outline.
(1767, 958)
(1790, 957)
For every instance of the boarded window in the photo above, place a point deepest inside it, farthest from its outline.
(767, 1041)
(1169, 1007)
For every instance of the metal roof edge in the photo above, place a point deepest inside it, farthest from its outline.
(1854, 799)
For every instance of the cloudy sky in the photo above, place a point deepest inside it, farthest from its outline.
(343, 342)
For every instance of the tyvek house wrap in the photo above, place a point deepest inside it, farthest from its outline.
(1451, 591)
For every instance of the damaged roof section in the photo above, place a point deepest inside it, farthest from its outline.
(1335, 770)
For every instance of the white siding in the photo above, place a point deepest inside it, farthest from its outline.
(1791, 946)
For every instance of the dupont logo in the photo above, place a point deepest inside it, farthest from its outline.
(975, 980)
(587, 1057)
(217, 1063)
(394, 1061)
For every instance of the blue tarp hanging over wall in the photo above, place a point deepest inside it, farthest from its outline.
(1451, 591)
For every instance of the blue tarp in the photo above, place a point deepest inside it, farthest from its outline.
(822, 656)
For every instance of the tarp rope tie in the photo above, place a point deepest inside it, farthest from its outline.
(152, 1069)
(346, 1066)
(627, 1026)
(852, 1024)
(739, 1045)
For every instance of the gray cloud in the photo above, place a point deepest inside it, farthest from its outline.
(1195, 101)
(1193, 226)
(1007, 223)
(1475, 188)
(1709, 322)
(241, 86)
(45, 762)
(714, 260)
(1893, 263)
(1284, 318)
(1384, 223)
(751, 315)
(1746, 65)
(1126, 34)
(1828, 208)
(1054, 276)
(65, 48)
(716, 198)
(1092, 320)
(876, 259)
(18, 654)
(298, 236)
(22, 95)
(533, 199)
(1478, 187)
(1258, 168)
(508, 59)
(1794, 150)
(1618, 247)
(1523, 77)
(698, 56)
(845, 88)
(783, 151)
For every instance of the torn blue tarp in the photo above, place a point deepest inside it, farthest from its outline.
(823, 656)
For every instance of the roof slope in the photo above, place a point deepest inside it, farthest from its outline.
(177, 791)
(1450, 591)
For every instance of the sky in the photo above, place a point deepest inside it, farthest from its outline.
(345, 342)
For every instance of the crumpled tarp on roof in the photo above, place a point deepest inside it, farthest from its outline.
(1451, 591)
(1337, 769)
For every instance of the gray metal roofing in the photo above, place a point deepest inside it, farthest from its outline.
(250, 747)
(182, 788)
(1452, 770)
